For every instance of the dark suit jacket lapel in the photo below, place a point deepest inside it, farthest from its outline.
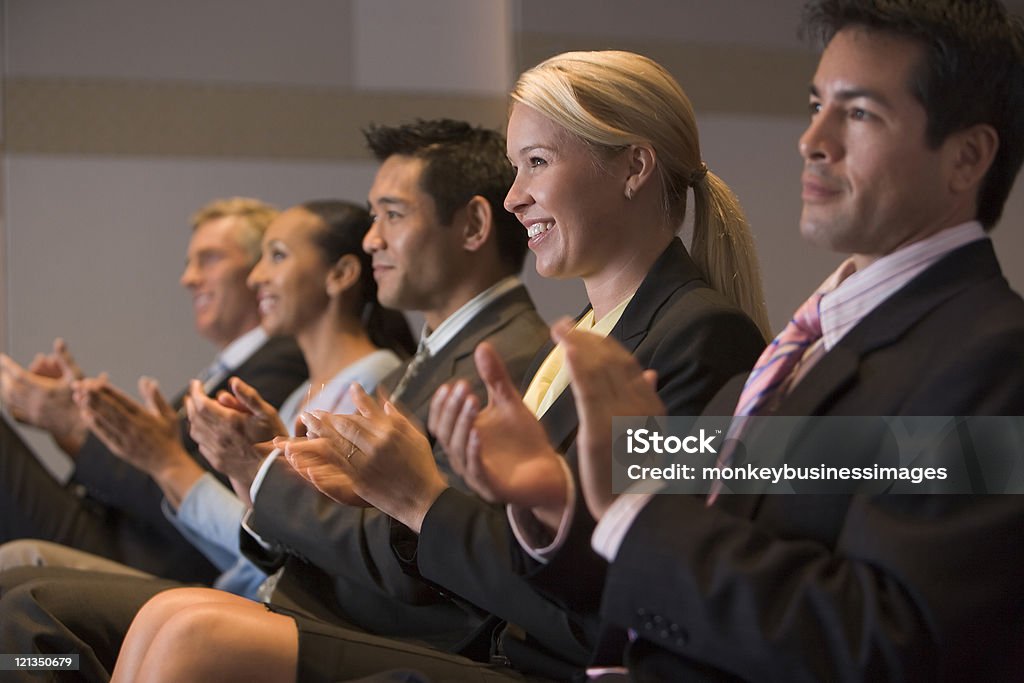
(272, 345)
(673, 270)
(421, 387)
(885, 325)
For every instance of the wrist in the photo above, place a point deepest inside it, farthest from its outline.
(552, 499)
(72, 440)
(177, 477)
(244, 474)
(545, 493)
(423, 505)
(550, 516)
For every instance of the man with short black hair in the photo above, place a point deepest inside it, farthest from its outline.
(442, 244)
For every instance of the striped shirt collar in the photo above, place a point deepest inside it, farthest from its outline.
(852, 294)
(435, 340)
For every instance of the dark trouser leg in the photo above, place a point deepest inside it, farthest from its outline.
(55, 611)
(331, 653)
(34, 505)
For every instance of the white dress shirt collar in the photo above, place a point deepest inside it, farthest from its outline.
(858, 292)
(240, 350)
(435, 340)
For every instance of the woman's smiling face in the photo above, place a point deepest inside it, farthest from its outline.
(567, 197)
(291, 277)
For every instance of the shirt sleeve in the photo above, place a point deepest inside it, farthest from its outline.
(617, 520)
(535, 538)
(209, 516)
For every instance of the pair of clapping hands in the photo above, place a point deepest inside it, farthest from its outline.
(41, 395)
(53, 394)
(378, 456)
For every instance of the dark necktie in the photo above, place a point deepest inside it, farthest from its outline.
(411, 370)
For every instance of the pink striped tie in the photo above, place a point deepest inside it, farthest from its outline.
(770, 375)
(780, 358)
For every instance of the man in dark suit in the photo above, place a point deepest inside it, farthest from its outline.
(915, 139)
(456, 262)
(111, 508)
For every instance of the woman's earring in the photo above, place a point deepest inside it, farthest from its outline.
(629, 193)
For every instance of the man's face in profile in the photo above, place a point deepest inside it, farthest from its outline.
(215, 274)
(415, 257)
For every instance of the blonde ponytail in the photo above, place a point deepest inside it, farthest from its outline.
(723, 248)
(614, 99)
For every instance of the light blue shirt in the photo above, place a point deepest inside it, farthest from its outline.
(210, 514)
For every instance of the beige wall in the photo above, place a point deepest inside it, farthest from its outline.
(121, 117)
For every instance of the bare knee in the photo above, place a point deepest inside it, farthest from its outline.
(213, 642)
(195, 633)
(166, 604)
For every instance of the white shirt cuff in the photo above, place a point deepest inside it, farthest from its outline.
(617, 520)
(529, 531)
(261, 474)
(248, 529)
(254, 490)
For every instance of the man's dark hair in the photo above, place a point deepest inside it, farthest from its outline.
(972, 73)
(460, 161)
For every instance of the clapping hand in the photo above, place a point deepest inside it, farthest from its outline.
(501, 451)
(147, 436)
(606, 382)
(231, 428)
(376, 455)
(41, 395)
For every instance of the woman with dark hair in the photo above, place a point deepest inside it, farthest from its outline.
(313, 282)
(344, 225)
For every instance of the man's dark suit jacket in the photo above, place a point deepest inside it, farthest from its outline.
(814, 588)
(130, 526)
(696, 341)
(338, 561)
